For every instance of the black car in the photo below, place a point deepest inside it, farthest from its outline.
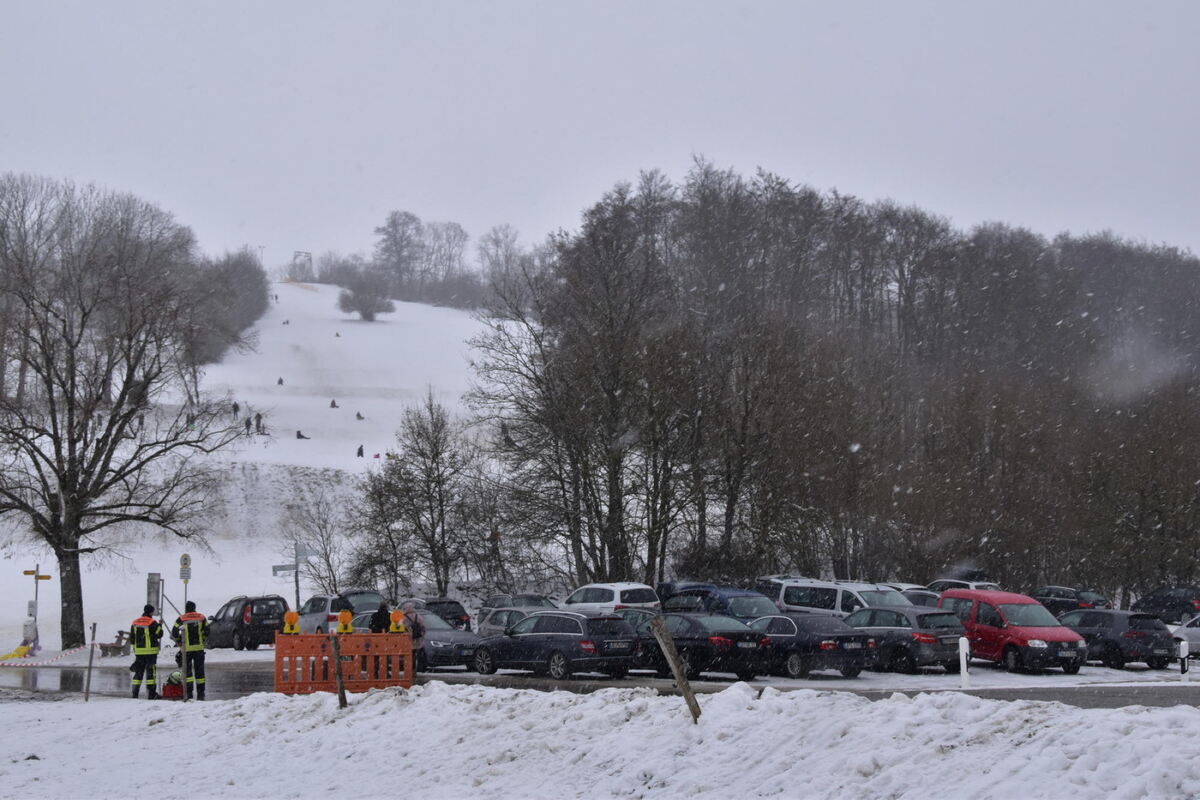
(705, 643)
(246, 622)
(921, 597)
(1117, 637)
(1170, 603)
(560, 643)
(907, 637)
(801, 643)
(443, 645)
(708, 598)
(1061, 599)
(450, 610)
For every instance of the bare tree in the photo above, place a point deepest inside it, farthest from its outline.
(100, 438)
(316, 526)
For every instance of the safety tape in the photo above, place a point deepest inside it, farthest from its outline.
(59, 657)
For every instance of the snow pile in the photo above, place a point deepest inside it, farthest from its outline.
(444, 741)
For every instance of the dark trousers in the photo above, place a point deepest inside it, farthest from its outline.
(195, 673)
(145, 670)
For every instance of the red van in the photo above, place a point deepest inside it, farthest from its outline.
(1016, 630)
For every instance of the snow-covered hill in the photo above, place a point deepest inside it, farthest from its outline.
(374, 369)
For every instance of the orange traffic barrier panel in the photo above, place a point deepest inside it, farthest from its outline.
(304, 663)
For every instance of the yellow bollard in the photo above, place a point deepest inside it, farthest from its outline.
(291, 622)
(397, 625)
(344, 617)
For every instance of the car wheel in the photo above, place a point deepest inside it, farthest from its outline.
(238, 644)
(251, 645)
(745, 675)
(1157, 663)
(1071, 667)
(796, 666)
(558, 666)
(1012, 659)
(484, 663)
(617, 674)
(850, 672)
(902, 661)
(952, 667)
(1113, 658)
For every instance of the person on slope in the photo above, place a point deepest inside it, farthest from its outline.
(146, 633)
(189, 632)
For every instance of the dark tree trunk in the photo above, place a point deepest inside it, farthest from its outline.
(72, 599)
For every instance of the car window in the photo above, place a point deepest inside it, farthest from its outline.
(781, 626)
(815, 623)
(683, 602)
(676, 625)
(850, 602)
(608, 626)
(861, 619)
(1146, 622)
(525, 625)
(768, 588)
(547, 625)
(1092, 597)
(638, 596)
(958, 606)
(892, 619)
(1194, 623)
(810, 596)
(576, 596)
(1072, 620)
(762, 624)
(884, 597)
(721, 624)
(1094, 620)
(751, 606)
(531, 601)
(988, 615)
(1029, 614)
(943, 620)
(598, 595)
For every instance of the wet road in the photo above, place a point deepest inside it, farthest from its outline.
(231, 680)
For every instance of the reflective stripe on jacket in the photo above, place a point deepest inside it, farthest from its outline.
(146, 633)
(191, 630)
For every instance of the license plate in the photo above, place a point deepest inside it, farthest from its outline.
(467, 651)
(949, 640)
(618, 645)
(747, 645)
(853, 645)
(273, 621)
(1161, 652)
(1066, 653)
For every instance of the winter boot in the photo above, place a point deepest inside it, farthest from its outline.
(153, 694)
(136, 692)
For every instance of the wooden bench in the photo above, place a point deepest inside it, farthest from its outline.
(118, 647)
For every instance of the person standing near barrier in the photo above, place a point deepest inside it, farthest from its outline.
(146, 633)
(190, 632)
(381, 619)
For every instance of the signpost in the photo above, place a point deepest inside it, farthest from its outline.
(36, 572)
(185, 575)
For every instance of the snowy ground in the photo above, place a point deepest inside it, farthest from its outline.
(377, 369)
(441, 741)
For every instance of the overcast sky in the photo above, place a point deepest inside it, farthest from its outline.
(299, 125)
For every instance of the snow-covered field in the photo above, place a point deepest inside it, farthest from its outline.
(441, 741)
(375, 369)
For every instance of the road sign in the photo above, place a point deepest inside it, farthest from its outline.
(185, 561)
(185, 574)
(283, 569)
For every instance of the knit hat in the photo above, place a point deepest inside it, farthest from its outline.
(148, 609)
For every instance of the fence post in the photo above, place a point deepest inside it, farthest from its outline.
(337, 671)
(1183, 660)
(964, 662)
(87, 685)
(667, 645)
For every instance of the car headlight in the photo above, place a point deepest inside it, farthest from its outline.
(1081, 643)
(1036, 643)
(433, 643)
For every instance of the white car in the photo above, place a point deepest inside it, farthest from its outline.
(830, 598)
(605, 598)
(942, 584)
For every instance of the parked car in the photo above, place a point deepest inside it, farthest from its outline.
(516, 601)
(450, 610)
(605, 598)
(921, 597)
(1190, 632)
(801, 643)
(244, 623)
(707, 598)
(908, 637)
(942, 584)
(497, 620)
(1117, 637)
(320, 613)
(560, 643)
(1170, 603)
(1061, 599)
(1015, 630)
(829, 598)
(442, 646)
(639, 620)
(902, 587)
(705, 643)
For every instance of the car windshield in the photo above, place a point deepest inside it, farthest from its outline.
(364, 601)
(751, 606)
(433, 622)
(1029, 615)
(885, 597)
(609, 626)
(725, 624)
(446, 607)
(1146, 622)
(1092, 597)
(942, 620)
(531, 601)
(822, 624)
(638, 596)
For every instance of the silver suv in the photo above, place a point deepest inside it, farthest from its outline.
(830, 598)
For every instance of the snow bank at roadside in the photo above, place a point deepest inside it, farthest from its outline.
(443, 741)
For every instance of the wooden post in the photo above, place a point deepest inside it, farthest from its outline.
(667, 645)
(337, 670)
(87, 685)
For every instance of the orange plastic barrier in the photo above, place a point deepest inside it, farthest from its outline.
(304, 663)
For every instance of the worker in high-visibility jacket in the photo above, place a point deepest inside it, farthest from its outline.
(190, 632)
(146, 634)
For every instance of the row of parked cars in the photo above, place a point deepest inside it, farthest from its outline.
(787, 625)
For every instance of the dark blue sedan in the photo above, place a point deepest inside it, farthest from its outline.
(560, 643)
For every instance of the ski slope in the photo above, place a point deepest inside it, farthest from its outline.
(375, 369)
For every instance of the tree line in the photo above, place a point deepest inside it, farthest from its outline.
(107, 314)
